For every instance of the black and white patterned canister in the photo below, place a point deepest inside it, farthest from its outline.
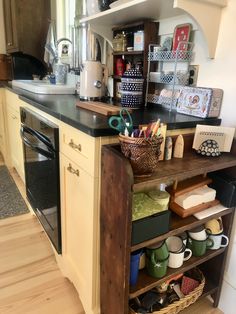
(132, 89)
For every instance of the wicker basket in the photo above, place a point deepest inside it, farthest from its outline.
(143, 153)
(181, 304)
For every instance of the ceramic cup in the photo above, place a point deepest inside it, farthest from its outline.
(184, 237)
(219, 240)
(174, 244)
(134, 266)
(176, 259)
(214, 226)
(158, 250)
(156, 268)
(199, 247)
(198, 233)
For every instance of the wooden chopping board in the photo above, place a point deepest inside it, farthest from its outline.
(100, 107)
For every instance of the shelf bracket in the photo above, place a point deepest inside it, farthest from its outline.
(208, 26)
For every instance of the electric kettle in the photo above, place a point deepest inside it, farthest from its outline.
(93, 78)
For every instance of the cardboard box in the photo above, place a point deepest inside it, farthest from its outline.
(200, 102)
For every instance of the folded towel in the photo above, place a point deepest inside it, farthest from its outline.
(50, 53)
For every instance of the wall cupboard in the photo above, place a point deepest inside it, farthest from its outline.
(26, 26)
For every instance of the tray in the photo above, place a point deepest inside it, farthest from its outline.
(180, 211)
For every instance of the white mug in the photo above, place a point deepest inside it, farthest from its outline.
(199, 235)
(174, 244)
(176, 259)
(218, 240)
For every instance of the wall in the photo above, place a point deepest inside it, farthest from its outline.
(219, 72)
(2, 35)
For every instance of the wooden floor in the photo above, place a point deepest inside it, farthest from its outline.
(30, 281)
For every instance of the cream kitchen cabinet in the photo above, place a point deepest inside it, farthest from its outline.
(79, 216)
(2, 126)
(80, 159)
(15, 148)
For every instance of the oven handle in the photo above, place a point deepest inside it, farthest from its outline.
(39, 136)
(47, 154)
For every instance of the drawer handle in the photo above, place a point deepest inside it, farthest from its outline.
(14, 117)
(72, 170)
(75, 146)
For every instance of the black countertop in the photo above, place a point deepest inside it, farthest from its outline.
(63, 107)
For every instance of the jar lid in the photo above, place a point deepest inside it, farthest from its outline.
(132, 73)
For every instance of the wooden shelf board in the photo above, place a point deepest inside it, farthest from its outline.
(146, 282)
(179, 225)
(182, 168)
(118, 53)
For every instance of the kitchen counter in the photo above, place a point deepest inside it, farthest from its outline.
(63, 107)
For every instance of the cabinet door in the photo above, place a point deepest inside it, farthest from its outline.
(14, 140)
(79, 230)
(10, 25)
(2, 129)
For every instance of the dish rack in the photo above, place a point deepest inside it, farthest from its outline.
(169, 81)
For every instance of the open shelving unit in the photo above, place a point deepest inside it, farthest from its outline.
(117, 187)
(160, 9)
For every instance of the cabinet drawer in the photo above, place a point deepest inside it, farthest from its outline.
(79, 147)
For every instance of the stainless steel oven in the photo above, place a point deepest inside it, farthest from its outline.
(41, 159)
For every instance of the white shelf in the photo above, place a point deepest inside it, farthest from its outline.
(159, 9)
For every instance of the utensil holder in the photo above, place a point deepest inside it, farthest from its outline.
(143, 153)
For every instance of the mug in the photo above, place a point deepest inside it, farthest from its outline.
(159, 250)
(199, 247)
(184, 237)
(218, 240)
(156, 268)
(198, 233)
(176, 259)
(214, 226)
(134, 267)
(174, 244)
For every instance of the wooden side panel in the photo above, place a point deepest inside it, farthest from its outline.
(115, 232)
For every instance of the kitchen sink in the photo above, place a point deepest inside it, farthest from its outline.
(43, 87)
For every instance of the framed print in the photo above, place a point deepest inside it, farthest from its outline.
(181, 33)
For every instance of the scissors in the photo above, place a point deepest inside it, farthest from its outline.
(122, 122)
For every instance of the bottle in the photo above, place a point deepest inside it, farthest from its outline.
(120, 66)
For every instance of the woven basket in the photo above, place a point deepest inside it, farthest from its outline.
(143, 153)
(181, 304)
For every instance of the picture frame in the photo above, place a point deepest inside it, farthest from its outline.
(181, 34)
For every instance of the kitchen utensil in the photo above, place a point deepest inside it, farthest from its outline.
(220, 240)
(174, 244)
(176, 259)
(214, 226)
(92, 77)
(123, 122)
(199, 248)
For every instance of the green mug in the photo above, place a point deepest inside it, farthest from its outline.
(199, 247)
(156, 268)
(160, 250)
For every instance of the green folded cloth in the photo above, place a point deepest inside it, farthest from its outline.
(144, 206)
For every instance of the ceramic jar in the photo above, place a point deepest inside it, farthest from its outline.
(132, 89)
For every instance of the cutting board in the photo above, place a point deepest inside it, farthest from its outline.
(100, 107)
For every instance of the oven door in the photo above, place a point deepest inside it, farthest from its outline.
(42, 180)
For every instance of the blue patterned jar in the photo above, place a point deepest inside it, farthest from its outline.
(132, 89)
